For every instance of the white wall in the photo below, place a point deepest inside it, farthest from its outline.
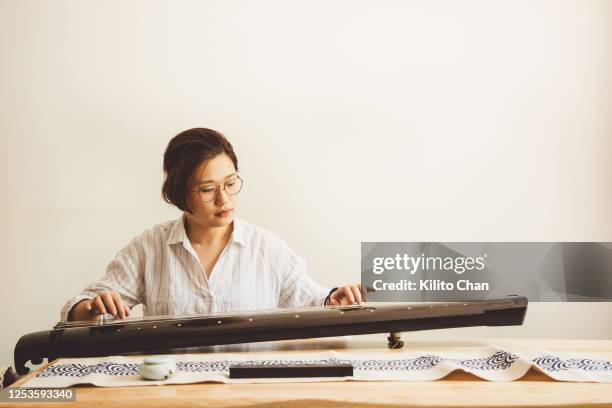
(353, 121)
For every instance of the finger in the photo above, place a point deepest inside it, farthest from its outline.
(356, 293)
(127, 309)
(349, 294)
(339, 297)
(99, 306)
(109, 303)
(119, 304)
(363, 292)
(88, 304)
(343, 298)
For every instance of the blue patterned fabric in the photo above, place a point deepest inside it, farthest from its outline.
(500, 360)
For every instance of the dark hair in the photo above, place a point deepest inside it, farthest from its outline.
(185, 152)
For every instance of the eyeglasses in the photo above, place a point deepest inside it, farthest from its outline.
(209, 191)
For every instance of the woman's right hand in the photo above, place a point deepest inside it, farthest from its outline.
(106, 302)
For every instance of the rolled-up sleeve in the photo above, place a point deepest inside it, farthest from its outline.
(298, 289)
(124, 274)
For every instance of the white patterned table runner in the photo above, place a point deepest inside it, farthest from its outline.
(489, 363)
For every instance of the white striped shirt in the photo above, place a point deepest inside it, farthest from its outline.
(160, 269)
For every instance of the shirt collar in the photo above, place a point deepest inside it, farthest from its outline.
(238, 232)
(179, 234)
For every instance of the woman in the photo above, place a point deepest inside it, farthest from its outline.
(208, 260)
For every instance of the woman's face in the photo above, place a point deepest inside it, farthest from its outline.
(210, 177)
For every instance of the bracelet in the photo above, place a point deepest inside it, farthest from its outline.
(327, 299)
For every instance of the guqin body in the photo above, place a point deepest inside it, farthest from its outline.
(88, 339)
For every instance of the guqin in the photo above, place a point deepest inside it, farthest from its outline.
(88, 339)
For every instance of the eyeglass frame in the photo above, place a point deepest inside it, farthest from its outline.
(218, 190)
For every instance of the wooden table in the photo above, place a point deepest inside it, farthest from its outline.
(457, 390)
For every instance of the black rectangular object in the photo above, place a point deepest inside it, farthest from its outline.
(290, 371)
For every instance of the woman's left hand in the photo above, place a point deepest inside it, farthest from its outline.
(346, 295)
